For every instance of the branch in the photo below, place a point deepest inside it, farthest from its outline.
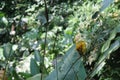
(46, 11)
(46, 14)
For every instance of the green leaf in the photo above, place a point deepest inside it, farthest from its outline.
(37, 55)
(26, 75)
(5, 21)
(118, 29)
(105, 4)
(117, 38)
(15, 75)
(36, 77)
(98, 68)
(114, 46)
(113, 34)
(68, 31)
(33, 34)
(2, 14)
(105, 46)
(7, 50)
(34, 67)
(41, 17)
(70, 67)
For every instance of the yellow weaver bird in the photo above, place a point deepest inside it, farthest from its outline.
(81, 47)
(80, 44)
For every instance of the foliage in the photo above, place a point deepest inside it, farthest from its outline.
(79, 40)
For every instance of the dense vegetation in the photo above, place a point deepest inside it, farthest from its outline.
(59, 40)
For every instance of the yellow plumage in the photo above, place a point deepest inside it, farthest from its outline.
(81, 47)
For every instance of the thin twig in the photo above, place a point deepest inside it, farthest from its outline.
(46, 14)
(46, 11)
(56, 54)
(46, 28)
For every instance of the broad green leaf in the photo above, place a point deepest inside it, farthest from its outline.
(63, 68)
(37, 55)
(33, 34)
(105, 46)
(7, 50)
(5, 21)
(113, 34)
(105, 4)
(34, 67)
(35, 77)
(41, 17)
(114, 46)
(98, 68)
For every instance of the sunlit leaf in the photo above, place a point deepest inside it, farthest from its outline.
(105, 4)
(24, 65)
(68, 31)
(105, 46)
(98, 68)
(1, 14)
(113, 34)
(114, 46)
(5, 21)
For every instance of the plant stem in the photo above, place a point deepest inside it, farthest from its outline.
(46, 14)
